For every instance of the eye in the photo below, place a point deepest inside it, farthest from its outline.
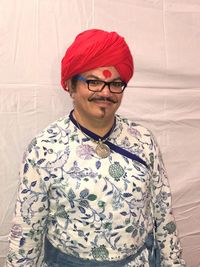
(117, 84)
(94, 83)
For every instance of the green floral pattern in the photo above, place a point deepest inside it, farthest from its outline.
(91, 207)
(116, 171)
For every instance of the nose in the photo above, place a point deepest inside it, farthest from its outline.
(105, 91)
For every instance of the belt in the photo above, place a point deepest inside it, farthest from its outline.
(53, 257)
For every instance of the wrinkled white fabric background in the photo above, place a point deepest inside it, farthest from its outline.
(164, 94)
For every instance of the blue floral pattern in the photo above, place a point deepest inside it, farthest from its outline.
(91, 207)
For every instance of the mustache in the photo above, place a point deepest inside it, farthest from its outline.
(101, 98)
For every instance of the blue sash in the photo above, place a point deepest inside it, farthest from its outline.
(53, 257)
(112, 146)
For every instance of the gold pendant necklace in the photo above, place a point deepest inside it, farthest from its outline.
(102, 150)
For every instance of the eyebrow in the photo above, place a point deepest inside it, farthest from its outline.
(96, 77)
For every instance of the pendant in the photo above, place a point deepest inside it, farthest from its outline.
(102, 150)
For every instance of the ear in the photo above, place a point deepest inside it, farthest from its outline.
(67, 85)
(71, 93)
(69, 88)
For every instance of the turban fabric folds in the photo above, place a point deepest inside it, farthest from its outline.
(96, 48)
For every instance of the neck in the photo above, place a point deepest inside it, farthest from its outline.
(95, 125)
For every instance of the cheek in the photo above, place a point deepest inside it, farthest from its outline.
(119, 99)
(81, 97)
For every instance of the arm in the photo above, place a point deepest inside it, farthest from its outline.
(166, 232)
(31, 211)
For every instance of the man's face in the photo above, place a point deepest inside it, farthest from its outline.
(97, 105)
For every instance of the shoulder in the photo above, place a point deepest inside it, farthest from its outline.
(134, 128)
(49, 139)
(136, 138)
(51, 132)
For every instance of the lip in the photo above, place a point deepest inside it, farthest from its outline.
(103, 103)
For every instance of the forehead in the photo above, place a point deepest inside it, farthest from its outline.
(105, 73)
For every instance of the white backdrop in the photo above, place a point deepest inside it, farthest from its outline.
(164, 94)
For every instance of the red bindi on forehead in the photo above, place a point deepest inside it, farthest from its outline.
(107, 73)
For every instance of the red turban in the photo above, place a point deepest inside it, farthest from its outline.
(93, 49)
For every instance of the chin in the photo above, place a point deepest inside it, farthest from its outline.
(104, 112)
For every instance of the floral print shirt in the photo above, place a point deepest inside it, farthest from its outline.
(92, 207)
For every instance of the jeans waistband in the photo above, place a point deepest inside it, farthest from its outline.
(53, 257)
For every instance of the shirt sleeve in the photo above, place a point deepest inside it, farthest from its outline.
(26, 236)
(166, 232)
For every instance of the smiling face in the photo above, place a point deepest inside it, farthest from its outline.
(91, 107)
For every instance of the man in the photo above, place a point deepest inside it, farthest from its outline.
(93, 186)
